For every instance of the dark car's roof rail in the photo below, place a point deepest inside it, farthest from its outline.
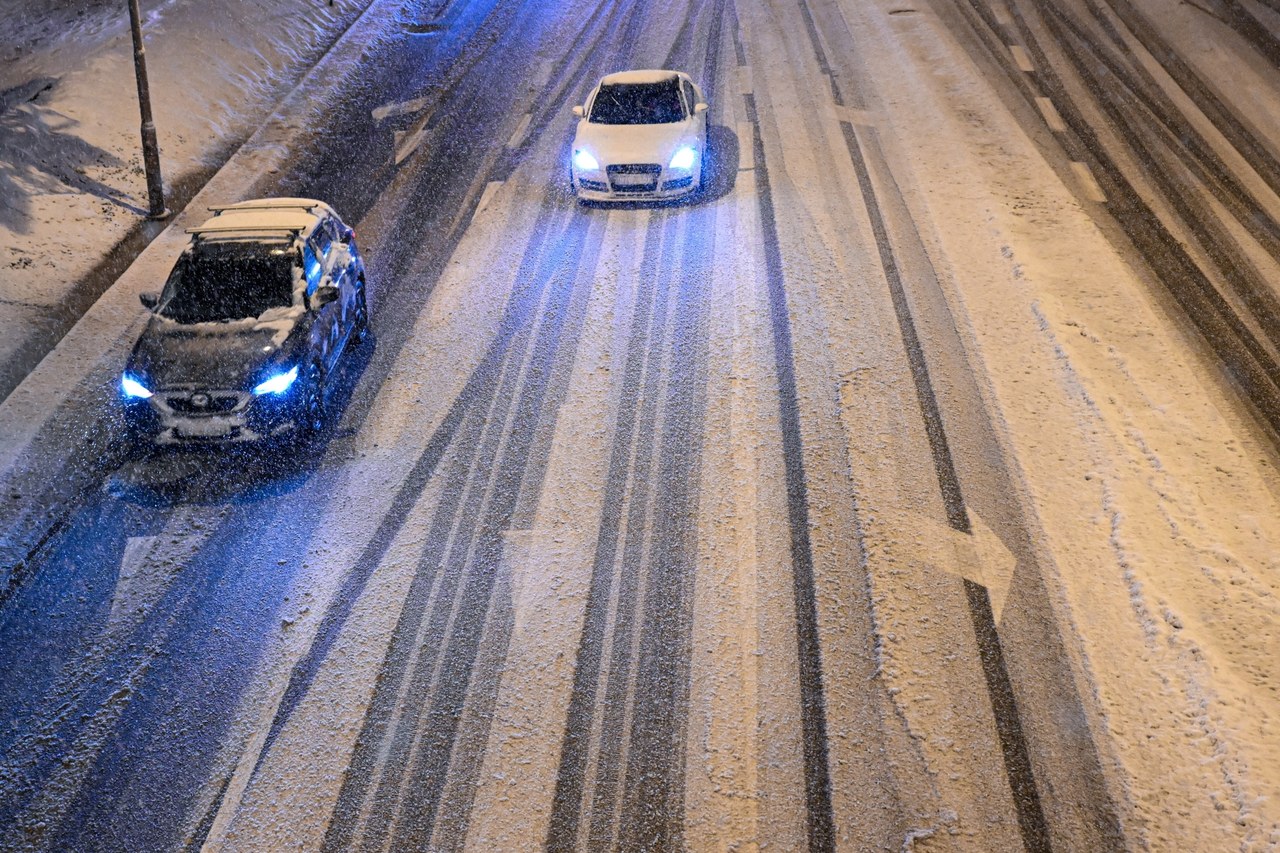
(307, 207)
(243, 229)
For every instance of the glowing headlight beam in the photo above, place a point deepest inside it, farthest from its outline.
(277, 384)
(683, 158)
(133, 388)
(584, 161)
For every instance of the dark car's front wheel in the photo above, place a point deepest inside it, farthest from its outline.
(314, 410)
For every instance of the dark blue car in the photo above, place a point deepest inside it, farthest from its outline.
(249, 327)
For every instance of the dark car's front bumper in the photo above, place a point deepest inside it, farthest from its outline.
(202, 417)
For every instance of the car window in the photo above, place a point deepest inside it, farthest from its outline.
(333, 229)
(321, 240)
(638, 103)
(214, 284)
(311, 267)
(690, 98)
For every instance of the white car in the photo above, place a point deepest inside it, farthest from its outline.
(642, 135)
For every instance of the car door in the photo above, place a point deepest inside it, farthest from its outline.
(326, 325)
(342, 271)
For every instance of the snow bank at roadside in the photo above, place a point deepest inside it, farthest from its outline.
(71, 179)
(1156, 496)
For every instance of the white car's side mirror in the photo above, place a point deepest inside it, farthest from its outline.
(579, 111)
(699, 108)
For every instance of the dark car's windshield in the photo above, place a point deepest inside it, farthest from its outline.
(638, 103)
(214, 283)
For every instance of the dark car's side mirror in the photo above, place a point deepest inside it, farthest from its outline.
(149, 300)
(324, 294)
(579, 111)
(699, 108)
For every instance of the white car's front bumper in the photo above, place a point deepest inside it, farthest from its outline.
(615, 185)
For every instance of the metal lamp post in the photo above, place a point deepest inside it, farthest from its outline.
(150, 150)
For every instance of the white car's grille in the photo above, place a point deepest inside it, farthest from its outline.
(634, 177)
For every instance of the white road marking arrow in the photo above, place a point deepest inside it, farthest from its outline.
(489, 189)
(979, 556)
(150, 563)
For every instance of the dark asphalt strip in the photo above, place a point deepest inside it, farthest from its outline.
(1221, 115)
(820, 816)
(479, 390)
(1013, 745)
(817, 774)
(649, 813)
(652, 809)
(652, 813)
(410, 490)
(1191, 150)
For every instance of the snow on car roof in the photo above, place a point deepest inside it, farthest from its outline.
(264, 215)
(639, 76)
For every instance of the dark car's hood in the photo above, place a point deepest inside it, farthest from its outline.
(213, 355)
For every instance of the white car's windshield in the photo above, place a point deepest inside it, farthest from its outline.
(638, 103)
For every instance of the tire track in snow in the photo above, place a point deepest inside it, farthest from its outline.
(1243, 354)
(430, 636)
(621, 774)
(817, 774)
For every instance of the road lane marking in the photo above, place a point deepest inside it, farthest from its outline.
(149, 561)
(746, 151)
(855, 117)
(979, 556)
(406, 144)
(490, 188)
(1021, 57)
(147, 567)
(387, 111)
(1090, 184)
(523, 128)
(1050, 113)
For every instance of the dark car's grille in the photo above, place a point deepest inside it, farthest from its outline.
(634, 177)
(203, 404)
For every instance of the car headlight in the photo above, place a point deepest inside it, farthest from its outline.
(683, 158)
(584, 161)
(133, 388)
(277, 383)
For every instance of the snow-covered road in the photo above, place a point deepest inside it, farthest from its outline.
(893, 495)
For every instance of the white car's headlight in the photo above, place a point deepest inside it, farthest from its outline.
(584, 161)
(683, 158)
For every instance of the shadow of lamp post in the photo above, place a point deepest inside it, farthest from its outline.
(150, 150)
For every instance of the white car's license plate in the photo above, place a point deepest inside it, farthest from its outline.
(632, 180)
